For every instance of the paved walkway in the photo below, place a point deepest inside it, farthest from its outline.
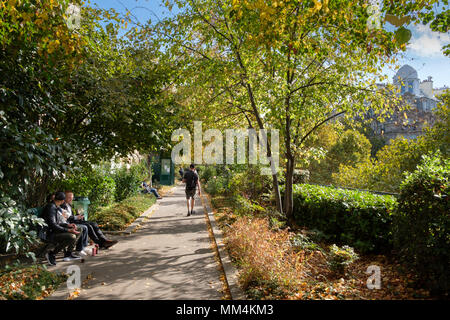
(169, 257)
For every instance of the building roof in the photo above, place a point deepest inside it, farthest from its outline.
(406, 72)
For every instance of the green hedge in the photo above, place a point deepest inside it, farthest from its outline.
(119, 215)
(422, 225)
(360, 219)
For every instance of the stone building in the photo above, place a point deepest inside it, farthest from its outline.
(420, 96)
(439, 91)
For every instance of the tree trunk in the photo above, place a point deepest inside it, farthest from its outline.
(288, 194)
(276, 190)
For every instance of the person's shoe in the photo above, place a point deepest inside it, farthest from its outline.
(193, 212)
(81, 253)
(71, 257)
(189, 214)
(108, 244)
(51, 259)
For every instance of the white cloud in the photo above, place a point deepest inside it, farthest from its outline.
(427, 43)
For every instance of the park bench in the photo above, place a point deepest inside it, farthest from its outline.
(41, 249)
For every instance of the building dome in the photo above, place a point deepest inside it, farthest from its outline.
(406, 73)
(407, 80)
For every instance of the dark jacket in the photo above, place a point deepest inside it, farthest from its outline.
(53, 219)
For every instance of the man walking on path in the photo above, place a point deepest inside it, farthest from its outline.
(192, 181)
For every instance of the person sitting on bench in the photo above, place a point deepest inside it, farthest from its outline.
(62, 235)
(83, 240)
(94, 231)
(148, 189)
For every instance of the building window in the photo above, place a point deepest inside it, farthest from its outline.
(411, 86)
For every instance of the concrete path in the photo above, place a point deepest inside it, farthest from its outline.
(169, 257)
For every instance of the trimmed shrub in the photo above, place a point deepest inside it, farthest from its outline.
(422, 224)
(360, 219)
(120, 215)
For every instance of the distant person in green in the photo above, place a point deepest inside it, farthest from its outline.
(192, 182)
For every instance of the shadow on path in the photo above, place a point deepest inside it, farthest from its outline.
(169, 257)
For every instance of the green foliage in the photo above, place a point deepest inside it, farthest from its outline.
(359, 219)
(251, 183)
(73, 97)
(103, 190)
(350, 149)
(440, 22)
(17, 228)
(377, 141)
(303, 242)
(301, 176)
(128, 181)
(244, 206)
(288, 65)
(387, 171)
(438, 136)
(422, 224)
(119, 215)
(94, 183)
(339, 258)
(207, 172)
(34, 68)
(216, 185)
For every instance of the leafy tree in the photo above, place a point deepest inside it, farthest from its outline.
(73, 97)
(386, 172)
(37, 51)
(350, 149)
(290, 65)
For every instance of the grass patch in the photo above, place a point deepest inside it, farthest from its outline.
(119, 216)
(28, 283)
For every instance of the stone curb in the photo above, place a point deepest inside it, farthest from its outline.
(231, 272)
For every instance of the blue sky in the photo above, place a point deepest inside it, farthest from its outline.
(423, 53)
(142, 9)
